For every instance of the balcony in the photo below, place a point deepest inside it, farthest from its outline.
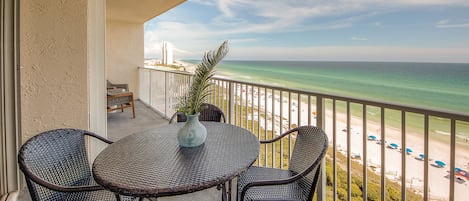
(359, 165)
(354, 126)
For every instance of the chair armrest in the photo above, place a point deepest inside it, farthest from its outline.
(55, 187)
(223, 116)
(278, 137)
(173, 117)
(98, 137)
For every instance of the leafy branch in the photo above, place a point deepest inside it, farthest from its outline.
(192, 102)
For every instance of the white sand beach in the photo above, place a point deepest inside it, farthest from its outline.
(438, 177)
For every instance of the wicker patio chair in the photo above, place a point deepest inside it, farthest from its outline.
(296, 183)
(56, 167)
(209, 113)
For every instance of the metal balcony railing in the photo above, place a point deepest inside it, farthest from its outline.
(378, 150)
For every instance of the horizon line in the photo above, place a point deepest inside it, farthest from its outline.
(312, 60)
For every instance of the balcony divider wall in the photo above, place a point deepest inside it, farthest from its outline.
(9, 103)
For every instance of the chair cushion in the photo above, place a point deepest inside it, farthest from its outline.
(286, 192)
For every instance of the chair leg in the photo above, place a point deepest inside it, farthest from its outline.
(223, 192)
(118, 197)
(229, 190)
(133, 107)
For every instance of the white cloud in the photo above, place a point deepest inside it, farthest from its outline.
(347, 53)
(433, 2)
(205, 2)
(189, 40)
(152, 44)
(288, 15)
(192, 39)
(444, 24)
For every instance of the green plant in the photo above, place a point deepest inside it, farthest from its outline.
(191, 103)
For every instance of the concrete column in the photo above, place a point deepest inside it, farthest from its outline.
(96, 49)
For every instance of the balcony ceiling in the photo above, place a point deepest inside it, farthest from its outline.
(138, 11)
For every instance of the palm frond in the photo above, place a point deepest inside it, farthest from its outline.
(200, 89)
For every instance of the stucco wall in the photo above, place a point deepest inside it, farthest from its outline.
(53, 59)
(124, 53)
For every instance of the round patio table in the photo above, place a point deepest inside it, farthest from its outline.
(151, 164)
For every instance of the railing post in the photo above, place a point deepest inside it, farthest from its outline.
(320, 123)
(231, 107)
(150, 101)
(166, 94)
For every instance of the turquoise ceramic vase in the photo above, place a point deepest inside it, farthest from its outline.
(193, 133)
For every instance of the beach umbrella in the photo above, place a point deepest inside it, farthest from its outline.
(456, 169)
(371, 137)
(422, 156)
(393, 145)
(408, 150)
(440, 163)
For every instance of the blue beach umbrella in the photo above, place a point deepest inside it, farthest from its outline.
(422, 156)
(456, 169)
(408, 150)
(440, 163)
(394, 145)
(371, 137)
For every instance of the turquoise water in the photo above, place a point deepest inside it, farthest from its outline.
(441, 86)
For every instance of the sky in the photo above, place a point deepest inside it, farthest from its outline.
(316, 30)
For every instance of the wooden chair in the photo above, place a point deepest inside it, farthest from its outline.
(118, 100)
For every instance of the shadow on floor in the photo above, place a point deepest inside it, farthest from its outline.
(121, 124)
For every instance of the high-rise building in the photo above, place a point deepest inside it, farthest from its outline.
(167, 53)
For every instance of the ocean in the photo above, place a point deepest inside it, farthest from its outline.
(439, 86)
